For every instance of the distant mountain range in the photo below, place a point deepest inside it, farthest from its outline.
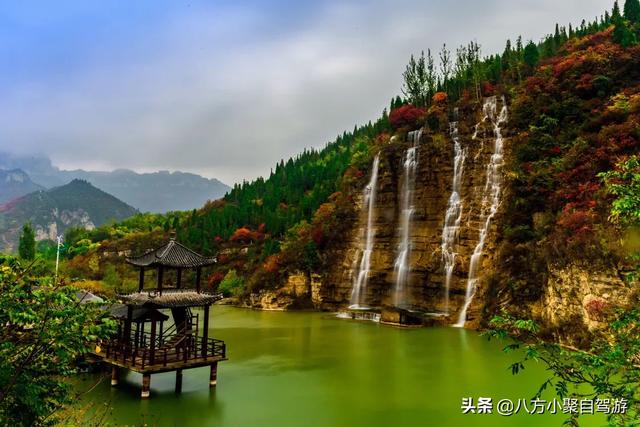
(149, 192)
(16, 183)
(52, 212)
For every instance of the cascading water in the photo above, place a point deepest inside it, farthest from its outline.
(490, 198)
(451, 228)
(361, 277)
(403, 260)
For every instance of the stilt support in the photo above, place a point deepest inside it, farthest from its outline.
(146, 385)
(178, 380)
(213, 377)
(114, 375)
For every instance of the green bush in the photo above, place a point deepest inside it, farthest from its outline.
(111, 277)
(232, 284)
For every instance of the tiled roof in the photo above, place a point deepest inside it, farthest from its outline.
(119, 311)
(171, 254)
(170, 298)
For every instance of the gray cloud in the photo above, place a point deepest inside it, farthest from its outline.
(226, 94)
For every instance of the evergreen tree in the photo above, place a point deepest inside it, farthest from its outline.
(531, 56)
(27, 245)
(431, 77)
(445, 66)
(622, 34)
(615, 13)
(632, 11)
(416, 86)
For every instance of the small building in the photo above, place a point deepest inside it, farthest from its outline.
(158, 329)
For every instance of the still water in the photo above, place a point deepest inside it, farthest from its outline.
(312, 369)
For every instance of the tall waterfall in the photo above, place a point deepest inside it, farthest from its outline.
(361, 277)
(451, 228)
(403, 260)
(490, 198)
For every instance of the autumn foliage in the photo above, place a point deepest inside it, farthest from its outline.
(406, 116)
(245, 235)
(440, 97)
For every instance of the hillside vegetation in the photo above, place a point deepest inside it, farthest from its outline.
(572, 175)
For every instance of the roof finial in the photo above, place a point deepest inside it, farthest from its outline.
(172, 235)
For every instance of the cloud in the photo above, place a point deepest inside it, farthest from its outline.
(229, 90)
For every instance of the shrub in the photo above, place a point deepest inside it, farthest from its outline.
(214, 280)
(439, 98)
(244, 235)
(406, 116)
(598, 309)
(111, 277)
(232, 284)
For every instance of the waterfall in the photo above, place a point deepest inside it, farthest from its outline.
(490, 198)
(403, 261)
(451, 228)
(362, 273)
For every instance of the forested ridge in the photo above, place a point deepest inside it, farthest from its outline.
(288, 220)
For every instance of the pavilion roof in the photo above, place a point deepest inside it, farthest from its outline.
(172, 254)
(119, 311)
(169, 298)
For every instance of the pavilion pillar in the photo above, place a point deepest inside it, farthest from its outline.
(178, 380)
(205, 331)
(127, 332)
(141, 281)
(146, 386)
(198, 276)
(114, 375)
(179, 279)
(152, 344)
(213, 376)
(160, 274)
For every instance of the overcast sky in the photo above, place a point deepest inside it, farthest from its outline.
(224, 88)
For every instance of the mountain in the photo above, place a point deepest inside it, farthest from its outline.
(156, 192)
(15, 183)
(511, 186)
(508, 184)
(51, 212)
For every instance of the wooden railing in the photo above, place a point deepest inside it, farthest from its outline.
(191, 348)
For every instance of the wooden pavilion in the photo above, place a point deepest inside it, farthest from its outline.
(158, 331)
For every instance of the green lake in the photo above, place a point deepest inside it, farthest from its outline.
(312, 369)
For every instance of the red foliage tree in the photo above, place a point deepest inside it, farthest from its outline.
(598, 309)
(214, 280)
(488, 89)
(406, 116)
(242, 235)
(272, 264)
(440, 97)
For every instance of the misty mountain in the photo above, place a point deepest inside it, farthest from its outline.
(52, 212)
(15, 183)
(149, 192)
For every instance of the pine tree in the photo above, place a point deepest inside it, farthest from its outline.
(415, 86)
(27, 245)
(622, 34)
(431, 77)
(531, 55)
(632, 11)
(445, 66)
(615, 13)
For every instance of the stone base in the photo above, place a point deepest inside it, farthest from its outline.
(412, 317)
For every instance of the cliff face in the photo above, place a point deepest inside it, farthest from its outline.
(573, 298)
(433, 187)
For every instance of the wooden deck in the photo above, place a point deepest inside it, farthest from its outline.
(191, 354)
